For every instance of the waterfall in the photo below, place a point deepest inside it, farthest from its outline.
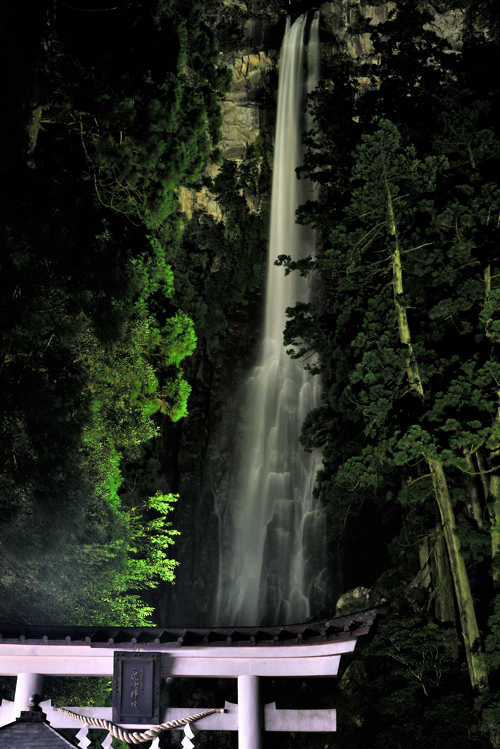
(274, 570)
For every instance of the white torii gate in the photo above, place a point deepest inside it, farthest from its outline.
(271, 651)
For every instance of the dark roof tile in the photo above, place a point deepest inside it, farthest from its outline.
(41, 735)
(333, 629)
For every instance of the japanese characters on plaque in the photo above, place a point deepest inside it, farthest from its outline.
(136, 688)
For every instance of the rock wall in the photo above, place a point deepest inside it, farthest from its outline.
(242, 114)
(197, 451)
(259, 24)
(243, 121)
(198, 461)
(340, 14)
(250, 29)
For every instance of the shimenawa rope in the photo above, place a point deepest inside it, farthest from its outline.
(136, 737)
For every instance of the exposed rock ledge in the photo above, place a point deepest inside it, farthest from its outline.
(242, 123)
(242, 116)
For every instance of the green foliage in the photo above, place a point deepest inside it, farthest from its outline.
(149, 535)
(444, 288)
(421, 653)
(414, 690)
(221, 261)
(174, 398)
(89, 576)
(254, 172)
(92, 340)
(405, 689)
(406, 154)
(130, 123)
(179, 339)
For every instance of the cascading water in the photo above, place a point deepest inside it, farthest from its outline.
(274, 570)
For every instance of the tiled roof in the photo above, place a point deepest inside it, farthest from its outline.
(32, 735)
(326, 630)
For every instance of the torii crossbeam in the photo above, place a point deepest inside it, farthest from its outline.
(244, 653)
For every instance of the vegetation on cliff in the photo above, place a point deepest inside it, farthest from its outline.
(406, 152)
(109, 113)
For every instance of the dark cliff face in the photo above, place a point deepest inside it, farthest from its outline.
(242, 23)
(201, 449)
(197, 453)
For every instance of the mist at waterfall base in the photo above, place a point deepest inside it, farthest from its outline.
(272, 567)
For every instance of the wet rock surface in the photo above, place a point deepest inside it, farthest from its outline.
(198, 452)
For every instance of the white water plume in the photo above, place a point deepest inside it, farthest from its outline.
(274, 571)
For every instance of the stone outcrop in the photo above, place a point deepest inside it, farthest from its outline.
(353, 600)
(238, 3)
(257, 26)
(250, 28)
(201, 200)
(243, 120)
(338, 16)
(449, 26)
(242, 115)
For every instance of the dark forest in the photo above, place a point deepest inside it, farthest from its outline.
(119, 309)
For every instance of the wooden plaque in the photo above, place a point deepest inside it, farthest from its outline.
(136, 688)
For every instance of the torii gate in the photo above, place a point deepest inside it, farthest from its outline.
(139, 658)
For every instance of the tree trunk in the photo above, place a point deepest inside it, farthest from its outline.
(444, 603)
(495, 517)
(470, 630)
(411, 367)
(483, 475)
(34, 129)
(436, 576)
(475, 503)
(467, 614)
(494, 457)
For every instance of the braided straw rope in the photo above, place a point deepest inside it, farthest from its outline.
(137, 737)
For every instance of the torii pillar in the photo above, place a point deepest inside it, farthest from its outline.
(27, 685)
(250, 717)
